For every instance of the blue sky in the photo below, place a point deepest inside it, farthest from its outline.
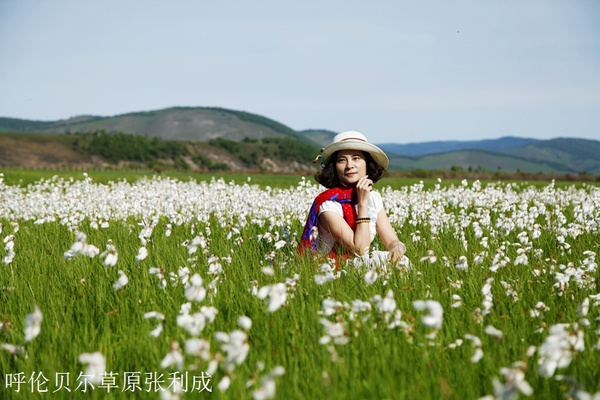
(398, 71)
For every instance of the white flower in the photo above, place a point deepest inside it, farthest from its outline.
(596, 299)
(154, 314)
(9, 247)
(215, 267)
(159, 274)
(198, 347)
(386, 304)
(197, 241)
(193, 323)
(110, 255)
(245, 322)
(224, 383)
(142, 254)
(436, 313)
(457, 301)
(328, 274)
(90, 250)
(157, 331)
(95, 369)
(514, 383)
(81, 247)
(331, 306)
(462, 264)
(360, 306)
(521, 258)
(477, 344)
(13, 349)
(183, 275)
(280, 244)
(33, 324)
(558, 349)
(478, 355)
(210, 313)
(584, 307)
(173, 357)
(431, 257)
(371, 277)
(195, 291)
(159, 328)
(277, 295)
(235, 345)
(267, 389)
(479, 258)
(496, 333)
(122, 281)
(334, 331)
(538, 310)
(488, 298)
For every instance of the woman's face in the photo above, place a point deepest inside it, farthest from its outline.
(350, 166)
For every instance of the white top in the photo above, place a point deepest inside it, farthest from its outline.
(326, 241)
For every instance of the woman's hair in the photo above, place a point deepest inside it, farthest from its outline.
(327, 175)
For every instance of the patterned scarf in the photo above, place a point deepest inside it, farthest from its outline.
(344, 196)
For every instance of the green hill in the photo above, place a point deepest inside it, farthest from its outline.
(477, 160)
(212, 133)
(577, 154)
(100, 149)
(177, 123)
(321, 136)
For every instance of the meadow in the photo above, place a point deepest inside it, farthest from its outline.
(168, 287)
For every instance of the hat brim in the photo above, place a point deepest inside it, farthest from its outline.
(378, 155)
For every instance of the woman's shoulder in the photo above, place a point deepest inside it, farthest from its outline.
(376, 200)
(376, 196)
(331, 205)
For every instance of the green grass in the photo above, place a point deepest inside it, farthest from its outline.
(82, 313)
(24, 177)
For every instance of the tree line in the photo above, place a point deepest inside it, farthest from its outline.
(116, 147)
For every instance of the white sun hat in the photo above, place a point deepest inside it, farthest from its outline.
(352, 140)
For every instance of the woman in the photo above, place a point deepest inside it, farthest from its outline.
(344, 219)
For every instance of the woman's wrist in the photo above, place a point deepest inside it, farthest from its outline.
(396, 244)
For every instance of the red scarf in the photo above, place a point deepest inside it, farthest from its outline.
(344, 196)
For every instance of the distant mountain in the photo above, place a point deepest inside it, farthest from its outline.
(473, 160)
(418, 149)
(200, 125)
(546, 156)
(177, 123)
(578, 154)
(320, 136)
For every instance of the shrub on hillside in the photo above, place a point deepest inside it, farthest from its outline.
(125, 147)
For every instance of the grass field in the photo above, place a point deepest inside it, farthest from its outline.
(134, 289)
(24, 177)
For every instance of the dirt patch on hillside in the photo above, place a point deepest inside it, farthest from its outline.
(40, 154)
(26, 151)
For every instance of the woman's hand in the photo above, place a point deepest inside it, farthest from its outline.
(396, 252)
(364, 186)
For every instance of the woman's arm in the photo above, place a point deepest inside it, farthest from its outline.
(356, 241)
(389, 238)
